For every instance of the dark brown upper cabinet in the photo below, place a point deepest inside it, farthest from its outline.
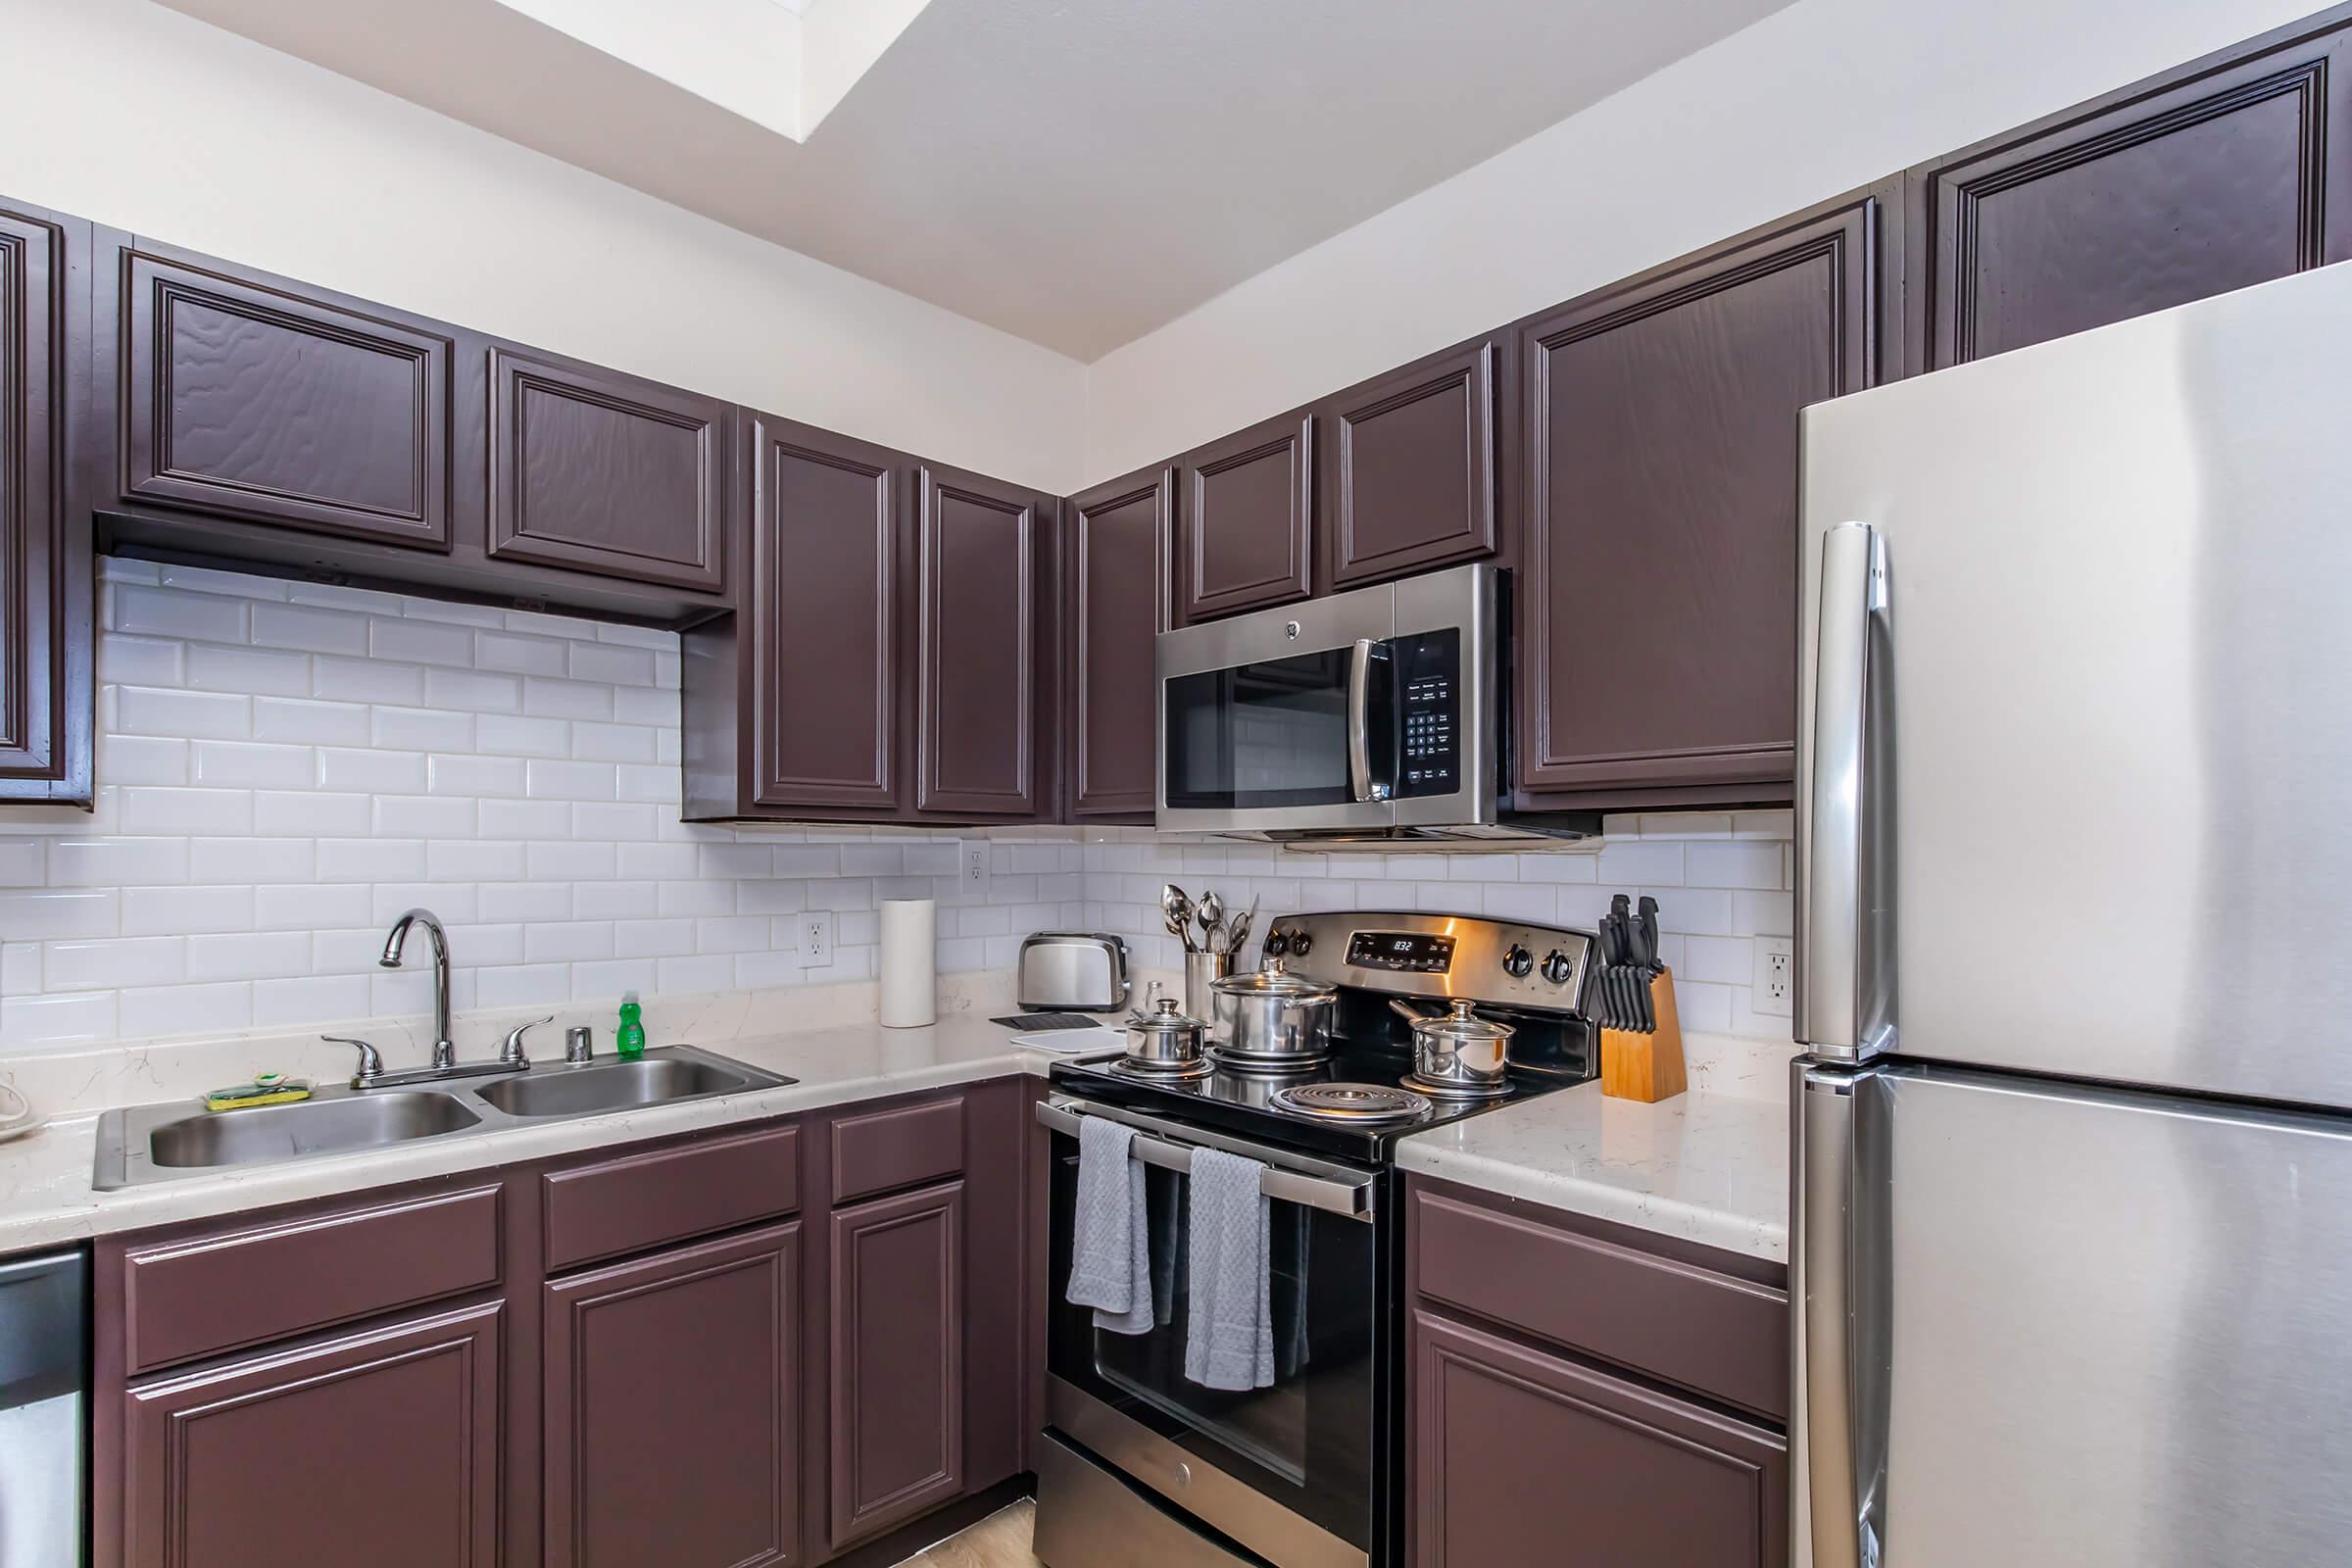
(672, 1408)
(1118, 593)
(376, 1449)
(983, 552)
(896, 1443)
(1656, 645)
(2228, 172)
(246, 399)
(47, 625)
(602, 472)
(1248, 532)
(1413, 468)
(828, 529)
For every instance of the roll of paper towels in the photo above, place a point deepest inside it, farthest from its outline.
(909, 964)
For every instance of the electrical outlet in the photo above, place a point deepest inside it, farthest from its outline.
(1776, 975)
(817, 941)
(972, 870)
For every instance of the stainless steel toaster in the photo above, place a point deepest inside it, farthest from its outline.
(1080, 971)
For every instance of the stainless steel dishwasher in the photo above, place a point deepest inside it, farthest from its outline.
(44, 1419)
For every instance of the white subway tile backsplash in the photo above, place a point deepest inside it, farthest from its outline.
(179, 911)
(363, 680)
(22, 864)
(421, 729)
(517, 655)
(420, 641)
(522, 820)
(309, 906)
(507, 735)
(309, 724)
(313, 998)
(309, 629)
(550, 780)
(544, 698)
(109, 863)
(290, 814)
(570, 860)
(113, 961)
(369, 770)
(1738, 865)
(472, 691)
(371, 860)
(143, 759)
(249, 956)
(127, 660)
(249, 764)
(61, 1018)
(567, 941)
(256, 672)
(189, 715)
(611, 665)
(36, 915)
(425, 817)
(169, 613)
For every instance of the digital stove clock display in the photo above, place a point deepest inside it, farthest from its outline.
(1409, 952)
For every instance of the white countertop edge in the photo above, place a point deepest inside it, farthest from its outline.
(1552, 1151)
(46, 1197)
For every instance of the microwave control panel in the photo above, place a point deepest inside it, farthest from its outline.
(1427, 667)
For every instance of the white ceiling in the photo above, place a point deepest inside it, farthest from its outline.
(1074, 171)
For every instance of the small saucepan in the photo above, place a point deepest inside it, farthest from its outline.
(1459, 1049)
(1165, 1040)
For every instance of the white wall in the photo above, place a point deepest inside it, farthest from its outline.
(135, 116)
(1813, 101)
(286, 766)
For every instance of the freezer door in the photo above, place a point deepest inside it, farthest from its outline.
(2089, 1328)
(2094, 708)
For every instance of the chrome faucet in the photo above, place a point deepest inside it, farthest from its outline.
(445, 1050)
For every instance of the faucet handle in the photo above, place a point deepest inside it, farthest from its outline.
(511, 1053)
(371, 1065)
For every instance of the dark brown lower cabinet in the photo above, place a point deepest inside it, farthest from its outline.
(672, 1408)
(377, 1449)
(1527, 1457)
(897, 1425)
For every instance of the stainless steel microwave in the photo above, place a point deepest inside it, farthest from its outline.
(1370, 718)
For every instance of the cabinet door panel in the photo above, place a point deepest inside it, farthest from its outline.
(827, 526)
(1521, 1458)
(2229, 173)
(977, 702)
(257, 402)
(896, 1325)
(602, 472)
(1657, 644)
(46, 631)
(376, 1451)
(673, 1408)
(1412, 468)
(1249, 518)
(1120, 557)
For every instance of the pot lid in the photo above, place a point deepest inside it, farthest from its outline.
(1464, 1023)
(1165, 1020)
(1274, 982)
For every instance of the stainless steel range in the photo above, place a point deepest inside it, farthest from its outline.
(1141, 1466)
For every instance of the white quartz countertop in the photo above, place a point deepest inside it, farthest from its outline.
(46, 1196)
(1707, 1169)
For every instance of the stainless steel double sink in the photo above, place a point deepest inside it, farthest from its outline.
(165, 1143)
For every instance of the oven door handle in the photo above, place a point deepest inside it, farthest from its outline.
(1361, 786)
(1350, 1197)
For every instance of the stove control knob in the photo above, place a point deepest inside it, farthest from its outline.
(1518, 963)
(1299, 943)
(1556, 967)
(1277, 944)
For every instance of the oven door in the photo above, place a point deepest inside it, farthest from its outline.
(1291, 1473)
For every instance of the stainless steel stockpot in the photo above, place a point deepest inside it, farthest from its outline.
(1269, 1015)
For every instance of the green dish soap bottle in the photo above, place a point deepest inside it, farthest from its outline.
(630, 1040)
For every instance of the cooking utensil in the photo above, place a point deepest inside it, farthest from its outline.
(1179, 911)
(1268, 1016)
(1165, 1039)
(1211, 917)
(1461, 1051)
(1239, 936)
(1645, 961)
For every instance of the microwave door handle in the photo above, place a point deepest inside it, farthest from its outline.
(1360, 721)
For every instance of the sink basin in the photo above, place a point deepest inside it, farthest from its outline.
(326, 1125)
(159, 1143)
(657, 1078)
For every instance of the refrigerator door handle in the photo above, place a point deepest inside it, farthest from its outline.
(1831, 1510)
(1831, 1016)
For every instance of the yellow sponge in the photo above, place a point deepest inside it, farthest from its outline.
(267, 1089)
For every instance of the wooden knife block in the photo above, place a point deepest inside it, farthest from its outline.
(1646, 1067)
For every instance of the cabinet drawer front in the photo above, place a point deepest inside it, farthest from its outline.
(600, 473)
(896, 1421)
(900, 1147)
(201, 1295)
(640, 1201)
(1248, 519)
(258, 403)
(1722, 1335)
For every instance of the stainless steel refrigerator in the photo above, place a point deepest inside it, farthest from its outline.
(2072, 1253)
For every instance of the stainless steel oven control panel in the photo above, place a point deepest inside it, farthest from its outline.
(1409, 953)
